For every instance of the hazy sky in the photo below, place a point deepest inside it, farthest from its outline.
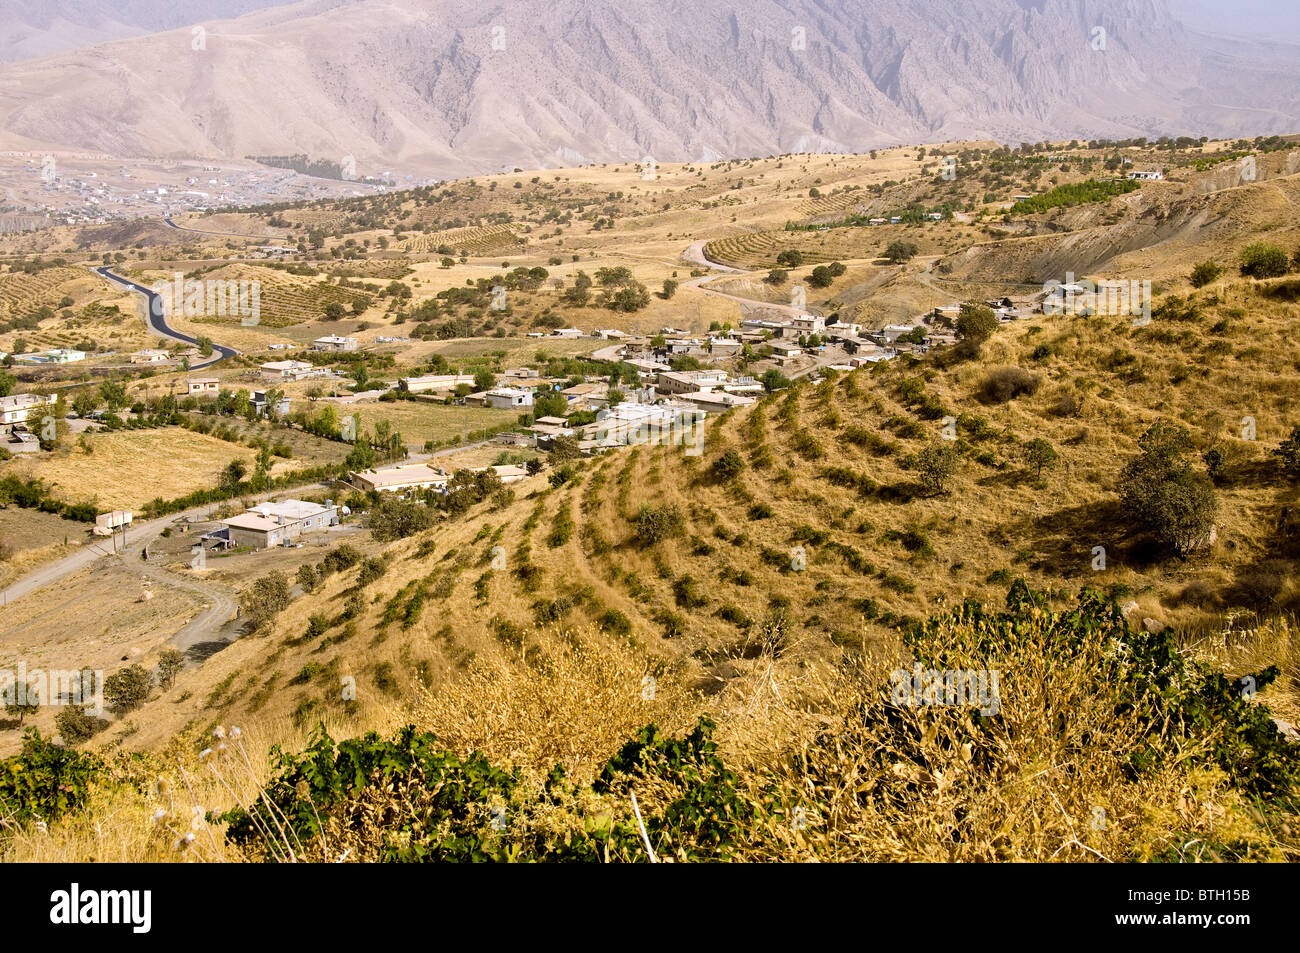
(1271, 19)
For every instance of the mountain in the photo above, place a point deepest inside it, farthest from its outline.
(33, 28)
(450, 90)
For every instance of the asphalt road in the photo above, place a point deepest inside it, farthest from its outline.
(157, 320)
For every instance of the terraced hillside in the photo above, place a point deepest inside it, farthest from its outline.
(472, 240)
(758, 595)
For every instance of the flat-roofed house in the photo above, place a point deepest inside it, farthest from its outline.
(687, 382)
(286, 370)
(204, 386)
(277, 524)
(508, 398)
(401, 478)
(716, 401)
(588, 394)
(17, 408)
(333, 342)
(510, 473)
(149, 356)
(260, 404)
(808, 324)
(434, 382)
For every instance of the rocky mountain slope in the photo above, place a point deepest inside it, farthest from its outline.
(444, 90)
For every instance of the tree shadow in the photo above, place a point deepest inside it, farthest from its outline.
(1065, 540)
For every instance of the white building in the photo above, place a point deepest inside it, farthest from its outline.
(276, 524)
(808, 324)
(287, 370)
(508, 398)
(16, 408)
(332, 342)
(686, 382)
(401, 478)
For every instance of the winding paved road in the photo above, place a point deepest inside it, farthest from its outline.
(157, 319)
(694, 254)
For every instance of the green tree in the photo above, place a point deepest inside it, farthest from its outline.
(1160, 491)
(265, 598)
(728, 466)
(1040, 455)
(308, 578)
(820, 277)
(75, 726)
(1205, 273)
(484, 379)
(127, 689)
(670, 288)
(262, 463)
(773, 380)
(1289, 453)
(564, 448)
(976, 322)
(233, 473)
(655, 523)
(1262, 260)
(393, 519)
(85, 403)
(899, 252)
(22, 703)
(113, 395)
(170, 663)
(550, 405)
(935, 467)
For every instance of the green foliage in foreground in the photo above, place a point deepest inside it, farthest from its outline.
(427, 804)
(45, 781)
(1178, 700)
(465, 809)
(1070, 674)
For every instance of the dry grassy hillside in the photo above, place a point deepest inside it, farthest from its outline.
(824, 468)
(772, 581)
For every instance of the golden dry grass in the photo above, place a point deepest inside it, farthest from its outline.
(127, 468)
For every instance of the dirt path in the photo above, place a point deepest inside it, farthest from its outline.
(209, 630)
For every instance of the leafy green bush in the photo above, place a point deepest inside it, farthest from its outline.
(422, 803)
(728, 466)
(655, 523)
(393, 519)
(45, 781)
(1262, 260)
